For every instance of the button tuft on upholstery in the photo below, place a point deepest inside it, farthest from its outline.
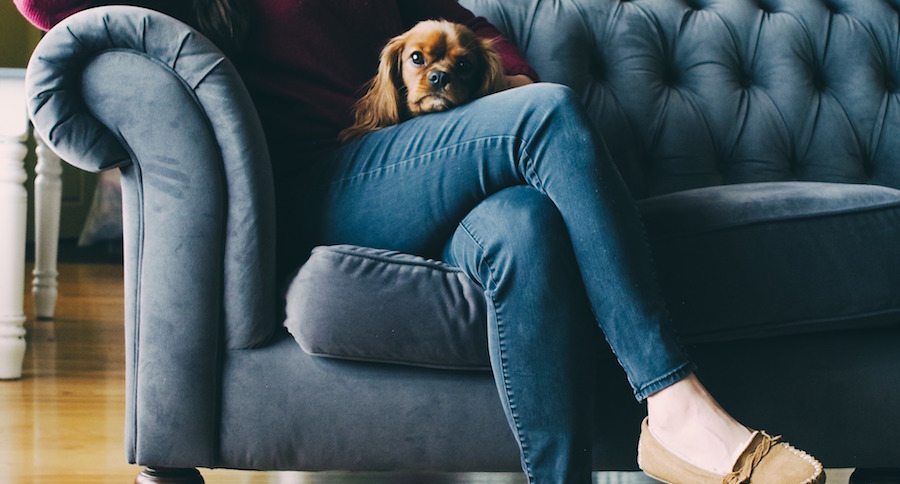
(792, 166)
(868, 167)
(745, 78)
(767, 6)
(670, 76)
(818, 80)
(597, 70)
(832, 7)
(890, 84)
(696, 4)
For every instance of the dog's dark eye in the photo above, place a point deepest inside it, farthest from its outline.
(463, 65)
(417, 58)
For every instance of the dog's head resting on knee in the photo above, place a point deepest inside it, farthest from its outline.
(434, 66)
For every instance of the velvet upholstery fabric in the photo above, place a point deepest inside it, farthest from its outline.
(764, 259)
(170, 110)
(700, 94)
(695, 93)
(69, 70)
(377, 305)
(737, 261)
(285, 409)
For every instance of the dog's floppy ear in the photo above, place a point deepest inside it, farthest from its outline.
(384, 103)
(493, 69)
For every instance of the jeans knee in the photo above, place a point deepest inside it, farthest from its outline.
(517, 216)
(545, 97)
(558, 130)
(550, 94)
(518, 228)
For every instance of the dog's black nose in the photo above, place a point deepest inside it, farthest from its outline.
(438, 79)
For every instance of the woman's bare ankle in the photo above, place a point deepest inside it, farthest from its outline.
(688, 421)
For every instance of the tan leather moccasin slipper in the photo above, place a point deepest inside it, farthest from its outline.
(764, 461)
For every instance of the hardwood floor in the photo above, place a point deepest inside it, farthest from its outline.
(63, 421)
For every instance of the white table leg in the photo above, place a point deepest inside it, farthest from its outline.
(13, 207)
(47, 200)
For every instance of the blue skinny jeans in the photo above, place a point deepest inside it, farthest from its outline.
(518, 191)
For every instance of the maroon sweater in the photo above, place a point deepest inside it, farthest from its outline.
(306, 61)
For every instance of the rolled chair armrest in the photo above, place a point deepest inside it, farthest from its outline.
(132, 88)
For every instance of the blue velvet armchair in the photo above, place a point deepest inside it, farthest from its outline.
(761, 138)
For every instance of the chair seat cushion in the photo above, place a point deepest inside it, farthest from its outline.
(734, 261)
(368, 304)
(764, 259)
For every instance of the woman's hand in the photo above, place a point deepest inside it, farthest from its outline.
(517, 80)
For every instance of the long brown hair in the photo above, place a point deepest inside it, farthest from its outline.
(225, 22)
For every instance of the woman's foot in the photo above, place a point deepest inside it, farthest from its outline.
(689, 438)
(688, 421)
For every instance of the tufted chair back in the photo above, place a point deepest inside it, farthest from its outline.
(694, 93)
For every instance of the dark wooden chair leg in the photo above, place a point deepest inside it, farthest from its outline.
(163, 475)
(884, 475)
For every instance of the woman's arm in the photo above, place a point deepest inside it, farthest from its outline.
(517, 70)
(44, 14)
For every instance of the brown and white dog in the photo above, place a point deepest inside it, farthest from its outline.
(434, 66)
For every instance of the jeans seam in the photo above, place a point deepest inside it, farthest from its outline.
(666, 321)
(666, 324)
(530, 172)
(419, 157)
(502, 349)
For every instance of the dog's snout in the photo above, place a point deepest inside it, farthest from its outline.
(438, 79)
